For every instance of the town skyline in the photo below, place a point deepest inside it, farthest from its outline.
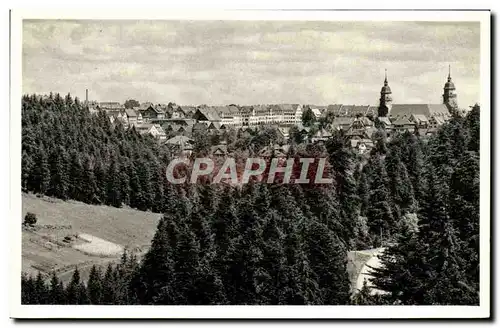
(246, 63)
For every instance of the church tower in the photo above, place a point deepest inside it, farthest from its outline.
(385, 105)
(449, 95)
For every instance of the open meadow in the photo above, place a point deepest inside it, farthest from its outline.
(94, 235)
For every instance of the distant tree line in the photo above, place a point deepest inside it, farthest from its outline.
(268, 243)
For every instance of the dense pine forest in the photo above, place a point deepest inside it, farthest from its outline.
(265, 243)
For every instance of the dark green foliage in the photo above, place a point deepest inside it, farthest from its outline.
(114, 195)
(402, 274)
(154, 282)
(225, 224)
(30, 219)
(108, 287)
(431, 266)
(328, 257)
(379, 138)
(364, 193)
(271, 277)
(379, 213)
(297, 136)
(412, 156)
(94, 286)
(89, 190)
(472, 121)
(186, 267)
(131, 103)
(41, 289)
(69, 153)
(59, 184)
(308, 117)
(342, 162)
(260, 243)
(464, 213)
(400, 186)
(56, 292)
(27, 290)
(438, 264)
(73, 289)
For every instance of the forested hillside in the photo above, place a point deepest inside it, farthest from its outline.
(265, 243)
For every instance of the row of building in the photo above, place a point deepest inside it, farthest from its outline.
(165, 121)
(230, 116)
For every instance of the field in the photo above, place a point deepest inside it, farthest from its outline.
(70, 234)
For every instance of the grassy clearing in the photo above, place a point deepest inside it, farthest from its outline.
(95, 246)
(43, 248)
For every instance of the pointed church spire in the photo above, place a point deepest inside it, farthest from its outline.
(385, 98)
(449, 95)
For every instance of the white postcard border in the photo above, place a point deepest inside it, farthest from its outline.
(83, 311)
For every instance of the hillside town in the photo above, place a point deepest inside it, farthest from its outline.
(175, 125)
(252, 163)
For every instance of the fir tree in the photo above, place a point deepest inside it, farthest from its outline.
(41, 289)
(225, 223)
(154, 281)
(56, 292)
(208, 286)
(42, 173)
(380, 218)
(114, 196)
(364, 193)
(341, 161)
(401, 274)
(108, 287)
(272, 274)
(94, 286)
(83, 297)
(304, 289)
(28, 291)
(464, 213)
(73, 288)
(472, 121)
(308, 117)
(59, 183)
(411, 154)
(89, 183)
(27, 166)
(328, 260)
(144, 175)
(400, 185)
(186, 267)
(76, 177)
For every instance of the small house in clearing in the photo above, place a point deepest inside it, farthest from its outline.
(154, 130)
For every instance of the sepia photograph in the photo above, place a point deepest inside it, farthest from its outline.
(313, 164)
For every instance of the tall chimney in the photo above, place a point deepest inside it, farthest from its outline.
(86, 97)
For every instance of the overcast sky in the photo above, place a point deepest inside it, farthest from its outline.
(251, 62)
